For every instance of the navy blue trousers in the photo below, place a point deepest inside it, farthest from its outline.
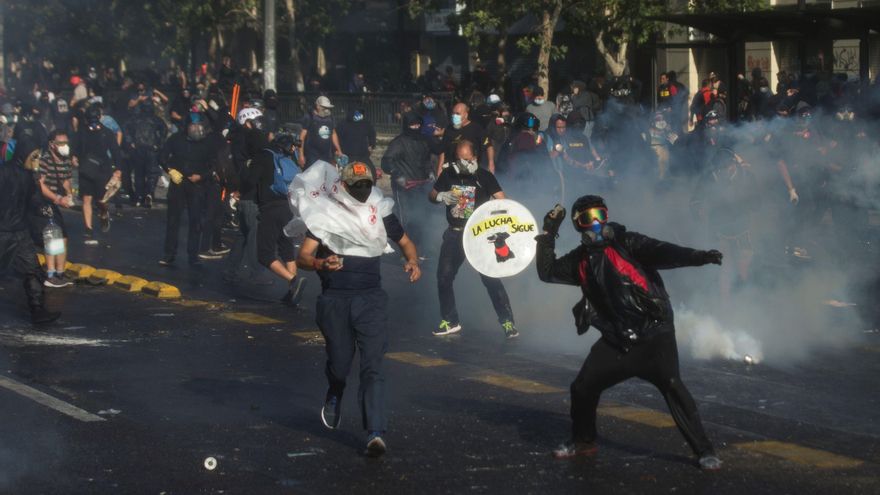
(351, 322)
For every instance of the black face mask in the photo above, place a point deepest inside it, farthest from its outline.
(361, 190)
(255, 140)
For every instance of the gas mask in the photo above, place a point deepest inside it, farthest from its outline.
(360, 190)
(590, 218)
(466, 167)
(196, 131)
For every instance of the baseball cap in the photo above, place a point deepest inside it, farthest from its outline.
(323, 101)
(356, 171)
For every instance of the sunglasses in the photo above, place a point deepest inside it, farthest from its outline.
(584, 218)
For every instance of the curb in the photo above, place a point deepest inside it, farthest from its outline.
(129, 283)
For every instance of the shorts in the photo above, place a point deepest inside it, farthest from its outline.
(90, 187)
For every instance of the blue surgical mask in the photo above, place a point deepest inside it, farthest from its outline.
(429, 104)
(456, 120)
(357, 117)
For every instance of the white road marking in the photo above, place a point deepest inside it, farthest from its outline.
(48, 401)
(19, 339)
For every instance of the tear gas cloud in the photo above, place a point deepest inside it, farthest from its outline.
(780, 315)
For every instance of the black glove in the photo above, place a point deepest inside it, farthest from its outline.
(712, 256)
(553, 219)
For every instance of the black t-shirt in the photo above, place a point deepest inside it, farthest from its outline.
(319, 143)
(473, 191)
(471, 132)
(358, 273)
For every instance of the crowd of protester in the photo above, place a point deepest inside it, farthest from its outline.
(797, 153)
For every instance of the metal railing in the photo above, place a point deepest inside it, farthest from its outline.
(383, 110)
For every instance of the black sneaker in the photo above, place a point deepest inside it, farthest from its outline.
(375, 444)
(167, 261)
(222, 250)
(574, 449)
(295, 293)
(209, 255)
(42, 315)
(57, 282)
(331, 413)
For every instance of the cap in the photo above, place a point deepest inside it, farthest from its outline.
(323, 101)
(356, 171)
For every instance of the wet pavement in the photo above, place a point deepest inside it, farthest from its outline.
(131, 394)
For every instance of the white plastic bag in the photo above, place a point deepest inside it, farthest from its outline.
(345, 225)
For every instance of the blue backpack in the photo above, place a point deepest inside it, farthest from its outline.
(285, 170)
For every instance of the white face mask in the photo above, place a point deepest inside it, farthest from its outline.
(539, 101)
(64, 150)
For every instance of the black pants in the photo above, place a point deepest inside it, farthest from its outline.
(350, 322)
(212, 221)
(271, 241)
(144, 164)
(655, 361)
(451, 258)
(17, 252)
(189, 196)
(412, 210)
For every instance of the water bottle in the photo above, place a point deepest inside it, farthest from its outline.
(53, 239)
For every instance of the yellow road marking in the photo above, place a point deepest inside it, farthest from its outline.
(194, 303)
(516, 384)
(102, 276)
(251, 318)
(640, 415)
(78, 271)
(801, 455)
(309, 335)
(417, 359)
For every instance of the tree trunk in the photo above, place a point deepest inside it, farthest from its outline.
(502, 50)
(320, 62)
(296, 65)
(2, 46)
(548, 25)
(616, 63)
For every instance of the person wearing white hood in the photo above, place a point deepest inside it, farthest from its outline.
(347, 217)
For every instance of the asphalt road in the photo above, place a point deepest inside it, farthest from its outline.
(131, 394)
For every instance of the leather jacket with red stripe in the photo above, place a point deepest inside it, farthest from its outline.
(623, 294)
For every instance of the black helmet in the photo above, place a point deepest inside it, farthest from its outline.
(582, 204)
(93, 114)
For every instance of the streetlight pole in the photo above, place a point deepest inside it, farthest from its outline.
(269, 44)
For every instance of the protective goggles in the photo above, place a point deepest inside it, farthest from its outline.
(584, 218)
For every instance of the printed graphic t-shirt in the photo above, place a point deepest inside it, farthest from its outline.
(471, 190)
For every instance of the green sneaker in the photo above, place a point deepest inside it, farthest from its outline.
(509, 330)
(447, 328)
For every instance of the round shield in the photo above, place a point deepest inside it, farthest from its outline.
(499, 238)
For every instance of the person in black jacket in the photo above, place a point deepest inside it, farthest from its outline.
(624, 298)
(21, 195)
(143, 137)
(408, 160)
(275, 250)
(357, 138)
(98, 158)
(187, 158)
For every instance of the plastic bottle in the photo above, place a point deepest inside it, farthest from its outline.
(53, 239)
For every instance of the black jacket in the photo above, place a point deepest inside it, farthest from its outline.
(623, 295)
(21, 195)
(356, 139)
(408, 156)
(189, 157)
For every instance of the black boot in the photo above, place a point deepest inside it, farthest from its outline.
(41, 315)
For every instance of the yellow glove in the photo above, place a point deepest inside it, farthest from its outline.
(176, 176)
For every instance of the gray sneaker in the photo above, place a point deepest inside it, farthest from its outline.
(375, 444)
(710, 462)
